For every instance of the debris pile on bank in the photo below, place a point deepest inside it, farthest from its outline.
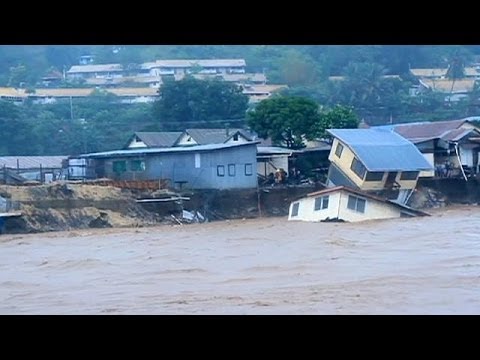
(66, 206)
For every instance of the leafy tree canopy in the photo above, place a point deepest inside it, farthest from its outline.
(191, 102)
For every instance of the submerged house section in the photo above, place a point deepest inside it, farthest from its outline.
(375, 160)
(344, 204)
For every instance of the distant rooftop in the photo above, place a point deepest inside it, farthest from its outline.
(31, 162)
(76, 69)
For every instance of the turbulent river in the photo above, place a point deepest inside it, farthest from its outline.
(427, 265)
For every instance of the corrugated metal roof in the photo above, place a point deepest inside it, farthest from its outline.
(262, 89)
(425, 130)
(448, 85)
(94, 68)
(159, 139)
(457, 134)
(274, 150)
(32, 162)
(146, 151)
(429, 72)
(12, 92)
(201, 62)
(215, 136)
(147, 91)
(382, 150)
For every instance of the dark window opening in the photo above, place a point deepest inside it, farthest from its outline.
(374, 176)
(235, 137)
(220, 170)
(137, 165)
(231, 169)
(295, 209)
(338, 150)
(119, 166)
(356, 204)
(358, 168)
(321, 203)
(409, 175)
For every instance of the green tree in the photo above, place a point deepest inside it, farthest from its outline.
(339, 117)
(286, 120)
(192, 102)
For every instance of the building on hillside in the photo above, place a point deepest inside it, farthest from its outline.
(257, 93)
(86, 59)
(344, 204)
(454, 90)
(197, 66)
(213, 166)
(124, 95)
(105, 71)
(375, 160)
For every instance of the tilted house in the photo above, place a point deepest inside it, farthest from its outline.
(344, 204)
(375, 160)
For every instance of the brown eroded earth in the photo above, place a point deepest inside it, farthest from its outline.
(425, 265)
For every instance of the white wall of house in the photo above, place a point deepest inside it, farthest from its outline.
(134, 144)
(186, 140)
(237, 140)
(45, 100)
(338, 208)
(466, 156)
(137, 99)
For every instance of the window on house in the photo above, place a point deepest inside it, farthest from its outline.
(248, 170)
(119, 166)
(235, 137)
(220, 170)
(374, 176)
(197, 161)
(338, 150)
(358, 168)
(409, 175)
(137, 165)
(356, 204)
(321, 203)
(295, 209)
(231, 169)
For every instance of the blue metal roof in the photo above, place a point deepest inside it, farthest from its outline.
(382, 150)
(144, 151)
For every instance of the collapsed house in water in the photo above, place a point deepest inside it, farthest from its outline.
(341, 203)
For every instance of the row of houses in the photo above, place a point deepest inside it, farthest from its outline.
(371, 174)
(125, 95)
(375, 159)
(436, 80)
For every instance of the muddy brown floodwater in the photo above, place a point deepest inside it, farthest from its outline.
(265, 266)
